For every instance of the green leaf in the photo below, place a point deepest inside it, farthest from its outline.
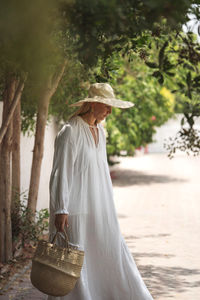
(151, 64)
(161, 79)
(188, 80)
(196, 85)
(188, 66)
(197, 78)
(180, 85)
(171, 74)
(156, 74)
(161, 54)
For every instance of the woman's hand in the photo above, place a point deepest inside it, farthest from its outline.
(61, 220)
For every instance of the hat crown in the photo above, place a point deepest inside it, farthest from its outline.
(103, 90)
(103, 93)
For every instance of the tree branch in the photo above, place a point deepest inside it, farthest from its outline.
(16, 98)
(57, 77)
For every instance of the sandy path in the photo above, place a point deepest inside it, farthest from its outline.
(158, 204)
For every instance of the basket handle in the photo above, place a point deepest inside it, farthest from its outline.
(66, 239)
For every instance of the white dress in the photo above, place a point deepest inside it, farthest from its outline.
(81, 186)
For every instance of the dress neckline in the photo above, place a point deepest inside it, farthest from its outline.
(88, 124)
(91, 135)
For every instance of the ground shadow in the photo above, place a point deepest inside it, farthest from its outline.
(130, 241)
(120, 216)
(168, 281)
(131, 237)
(124, 177)
(163, 281)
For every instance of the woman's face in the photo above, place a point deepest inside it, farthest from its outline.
(101, 111)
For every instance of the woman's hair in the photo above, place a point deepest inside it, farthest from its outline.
(84, 109)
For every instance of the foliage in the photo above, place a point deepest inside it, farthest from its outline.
(131, 81)
(177, 66)
(101, 48)
(24, 228)
(27, 40)
(102, 27)
(93, 33)
(134, 127)
(72, 88)
(30, 42)
(63, 31)
(157, 84)
(186, 140)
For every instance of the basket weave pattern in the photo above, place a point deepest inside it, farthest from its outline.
(55, 270)
(59, 258)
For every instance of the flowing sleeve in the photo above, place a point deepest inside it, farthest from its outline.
(62, 172)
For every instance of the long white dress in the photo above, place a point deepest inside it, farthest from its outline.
(81, 186)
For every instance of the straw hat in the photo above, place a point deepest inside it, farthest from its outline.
(103, 93)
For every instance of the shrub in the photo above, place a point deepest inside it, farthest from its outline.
(27, 228)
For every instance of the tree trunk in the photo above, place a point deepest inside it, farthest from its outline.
(5, 177)
(16, 124)
(12, 107)
(45, 97)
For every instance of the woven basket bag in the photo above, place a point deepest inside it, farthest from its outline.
(55, 270)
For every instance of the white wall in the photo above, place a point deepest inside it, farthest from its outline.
(169, 129)
(27, 144)
(43, 197)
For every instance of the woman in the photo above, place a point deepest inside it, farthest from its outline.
(81, 199)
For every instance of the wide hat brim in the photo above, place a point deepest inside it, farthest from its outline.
(108, 101)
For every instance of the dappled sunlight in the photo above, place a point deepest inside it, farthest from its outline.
(163, 281)
(157, 201)
(166, 282)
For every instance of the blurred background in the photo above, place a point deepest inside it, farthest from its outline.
(50, 52)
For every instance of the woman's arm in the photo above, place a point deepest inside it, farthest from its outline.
(62, 177)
